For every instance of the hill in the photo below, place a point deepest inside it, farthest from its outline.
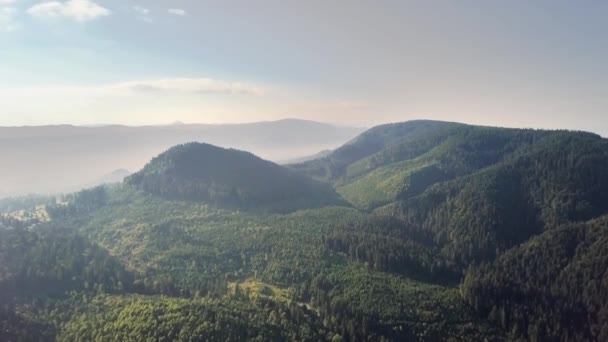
(447, 196)
(475, 189)
(229, 178)
(60, 159)
(412, 137)
(453, 232)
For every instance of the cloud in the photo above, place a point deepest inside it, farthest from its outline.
(168, 86)
(141, 10)
(7, 2)
(143, 13)
(78, 10)
(178, 11)
(188, 85)
(7, 19)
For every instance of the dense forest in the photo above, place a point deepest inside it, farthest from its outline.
(553, 287)
(418, 231)
(228, 177)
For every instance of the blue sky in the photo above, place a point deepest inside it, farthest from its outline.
(507, 63)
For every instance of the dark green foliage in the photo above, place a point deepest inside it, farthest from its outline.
(18, 327)
(54, 261)
(476, 190)
(201, 319)
(473, 193)
(81, 203)
(189, 250)
(404, 140)
(372, 305)
(183, 247)
(553, 287)
(388, 244)
(560, 179)
(228, 178)
(214, 244)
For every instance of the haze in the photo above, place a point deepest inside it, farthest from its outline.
(55, 159)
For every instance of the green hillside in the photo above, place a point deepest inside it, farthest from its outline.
(553, 287)
(461, 195)
(420, 231)
(184, 259)
(403, 140)
(228, 178)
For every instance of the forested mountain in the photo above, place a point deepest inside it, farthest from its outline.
(64, 158)
(446, 196)
(407, 135)
(477, 190)
(553, 287)
(443, 232)
(228, 177)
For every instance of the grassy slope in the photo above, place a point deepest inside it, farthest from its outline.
(380, 186)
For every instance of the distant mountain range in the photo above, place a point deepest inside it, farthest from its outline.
(50, 159)
(116, 176)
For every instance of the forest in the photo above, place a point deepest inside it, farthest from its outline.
(416, 231)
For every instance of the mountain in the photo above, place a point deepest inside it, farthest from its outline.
(415, 231)
(115, 176)
(475, 189)
(413, 137)
(228, 177)
(525, 204)
(55, 159)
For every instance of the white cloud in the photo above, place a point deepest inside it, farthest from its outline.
(7, 2)
(7, 19)
(188, 85)
(141, 10)
(167, 86)
(178, 11)
(143, 13)
(78, 10)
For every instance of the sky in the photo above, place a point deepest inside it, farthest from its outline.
(540, 64)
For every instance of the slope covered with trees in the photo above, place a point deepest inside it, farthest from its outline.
(53, 261)
(444, 232)
(475, 190)
(229, 178)
(466, 195)
(553, 287)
